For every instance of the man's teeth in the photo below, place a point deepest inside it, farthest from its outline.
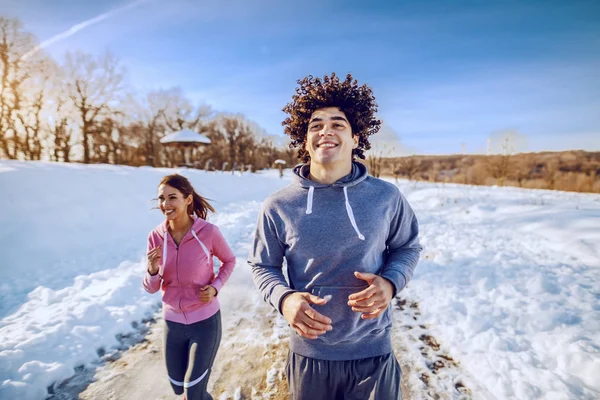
(327, 145)
(168, 211)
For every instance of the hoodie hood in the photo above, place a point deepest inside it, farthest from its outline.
(197, 226)
(357, 175)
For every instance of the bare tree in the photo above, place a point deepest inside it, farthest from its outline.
(61, 133)
(154, 124)
(109, 139)
(375, 159)
(386, 143)
(93, 85)
(34, 101)
(409, 167)
(60, 121)
(523, 169)
(239, 143)
(238, 137)
(499, 166)
(178, 112)
(501, 147)
(16, 73)
(551, 174)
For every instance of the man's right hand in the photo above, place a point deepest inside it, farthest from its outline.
(308, 323)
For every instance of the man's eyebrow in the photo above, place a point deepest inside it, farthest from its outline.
(334, 118)
(338, 118)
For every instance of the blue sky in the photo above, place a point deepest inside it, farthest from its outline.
(446, 74)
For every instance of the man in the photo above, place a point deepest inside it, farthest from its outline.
(350, 242)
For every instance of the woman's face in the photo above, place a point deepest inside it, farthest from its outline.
(172, 203)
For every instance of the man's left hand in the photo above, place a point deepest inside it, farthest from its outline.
(372, 301)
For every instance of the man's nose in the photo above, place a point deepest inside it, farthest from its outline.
(327, 131)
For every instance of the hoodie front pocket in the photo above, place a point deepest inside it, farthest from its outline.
(171, 298)
(190, 298)
(348, 326)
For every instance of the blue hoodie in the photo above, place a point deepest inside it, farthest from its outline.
(325, 232)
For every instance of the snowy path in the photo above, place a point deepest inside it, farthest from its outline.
(504, 303)
(251, 359)
(487, 315)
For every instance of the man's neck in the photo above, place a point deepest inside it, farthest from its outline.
(329, 174)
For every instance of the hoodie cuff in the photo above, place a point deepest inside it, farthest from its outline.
(397, 280)
(279, 293)
(217, 284)
(154, 277)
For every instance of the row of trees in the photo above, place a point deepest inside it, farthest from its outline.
(81, 110)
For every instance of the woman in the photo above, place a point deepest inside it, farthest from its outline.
(180, 262)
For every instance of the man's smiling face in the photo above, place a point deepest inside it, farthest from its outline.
(329, 139)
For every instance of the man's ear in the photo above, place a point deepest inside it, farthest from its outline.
(355, 138)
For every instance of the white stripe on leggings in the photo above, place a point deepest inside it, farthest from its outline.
(174, 382)
(192, 383)
(188, 384)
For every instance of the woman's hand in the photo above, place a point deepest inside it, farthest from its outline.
(154, 257)
(207, 293)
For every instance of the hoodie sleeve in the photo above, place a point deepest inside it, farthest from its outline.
(266, 259)
(151, 282)
(403, 246)
(223, 252)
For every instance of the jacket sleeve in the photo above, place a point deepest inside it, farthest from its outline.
(403, 247)
(151, 282)
(223, 252)
(266, 259)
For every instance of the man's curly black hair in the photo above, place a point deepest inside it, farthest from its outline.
(357, 103)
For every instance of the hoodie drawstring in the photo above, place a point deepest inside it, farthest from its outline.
(164, 255)
(201, 244)
(309, 204)
(309, 201)
(351, 215)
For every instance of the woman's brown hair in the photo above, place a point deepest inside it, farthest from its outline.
(200, 206)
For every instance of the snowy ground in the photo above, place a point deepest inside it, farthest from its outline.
(504, 304)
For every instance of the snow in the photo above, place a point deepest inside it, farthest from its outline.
(509, 281)
(185, 135)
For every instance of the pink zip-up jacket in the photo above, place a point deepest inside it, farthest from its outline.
(188, 267)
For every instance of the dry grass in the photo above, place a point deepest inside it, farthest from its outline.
(573, 171)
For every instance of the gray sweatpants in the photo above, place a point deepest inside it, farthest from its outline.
(190, 351)
(376, 378)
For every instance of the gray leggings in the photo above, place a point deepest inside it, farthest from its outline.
(376, 378)
(190, 351)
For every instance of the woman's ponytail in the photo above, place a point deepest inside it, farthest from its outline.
(200, 206)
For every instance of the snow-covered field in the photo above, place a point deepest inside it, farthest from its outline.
(505, 302)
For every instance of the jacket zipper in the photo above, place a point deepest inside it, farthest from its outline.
(179, 282)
